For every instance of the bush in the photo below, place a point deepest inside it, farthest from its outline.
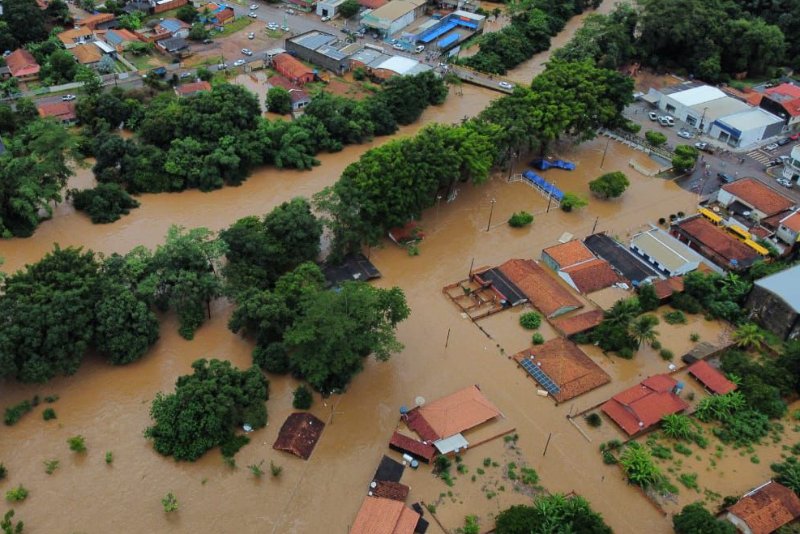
(233, 445)
(655, 345)
(537, 339)
(3, 471)
(626, 353)
(48, 414)
(279, 101)
(359, 74)
(610, 185)
(17, 494)
(572, 201)
(687, 303)
(520, 219)
(530, 320)
(442, 464)
(77, 444)
(170, 503)
(666, 354)
(631, 127)
(15, 413)
(302, 398)
(105, 203)
(274, 358)
(109, 457)
(675, 317)
(694, 337)
(594, 419)
(274, 469)
(655, 138)
(50, 466)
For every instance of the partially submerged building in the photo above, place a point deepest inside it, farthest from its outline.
(641, 407)
(752, 199)
(668, 255)
(570, 325)
(711, 378)
(774, 303)
(764, 509)
(292, 69)
(623, 260)
(393, 17)
(299, 435)
(579, 267)
(379, 515)
(323, 49)
(562, 369)
(718, 246)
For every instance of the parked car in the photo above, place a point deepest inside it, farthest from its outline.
(239, 63)
(398, 46)
(290, 11)
(784, 141)
(68, 98)
(773, 163)
(419, 49)
(670, 120)
(325, 18)
(185, 75)
(251, 35)
(705, 147)
(663, 121)
(247, 52)
(253, 7)
(771, 146)
(727, 178)
(785, 182)
(207, 41)
(653, 116)
(685, 134)
(272, 25)
(252, 15)
(222, 66)
(505, 85)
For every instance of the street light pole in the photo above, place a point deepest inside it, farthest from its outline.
(491, 211)
(604, 153)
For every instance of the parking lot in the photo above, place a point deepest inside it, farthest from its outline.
(737, 164)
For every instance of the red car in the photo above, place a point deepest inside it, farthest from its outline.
(795, 137)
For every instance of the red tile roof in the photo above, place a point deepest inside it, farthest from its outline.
(665, 288)
(86, 54)
(711, 377)
(761, 197)
(21, 63)
(787, 89)
(372, 4)
(192, 88)
(767, 508)
(390, 490)
(453, 414)
(290, 67)
(542, 290)
(717, 240)
(642, 406)
(792, 222)
(566, 365)
(569, 253)
(418, 449)
(299, 435)
(575, 324)
(384, 516)
(592, 275)
(93, 20)
(63, 111)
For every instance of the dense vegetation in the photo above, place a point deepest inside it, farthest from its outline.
(105, 203)
(610, 185)
(695, 519)
(205, 409)
(533, 23)
(551, 513)
(714, 40)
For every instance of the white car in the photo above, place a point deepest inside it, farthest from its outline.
(272, 25)
(253, 7)
(653, 116)
(325, 19)
(68, 98)
(505, 85)
(247, 52)
(222, 66)
(685, 135)
(252, 15)
(419, 49)
(251, 35)
(239, 63)
(285, 28)
(785, 182)
(771, 146)
(398, 46)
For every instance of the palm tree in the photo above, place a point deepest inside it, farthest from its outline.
(642, 329)
(623, 311)
(749, 336)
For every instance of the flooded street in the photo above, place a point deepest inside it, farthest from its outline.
(109, 406)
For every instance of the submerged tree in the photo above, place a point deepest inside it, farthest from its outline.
(551, 514)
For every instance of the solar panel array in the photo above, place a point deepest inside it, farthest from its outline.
(540, 376)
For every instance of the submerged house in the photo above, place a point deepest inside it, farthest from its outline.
(299, 435)
(641, 407)
(764, 509)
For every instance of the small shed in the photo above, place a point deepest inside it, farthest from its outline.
(299, 435)
(711, 378)
(454, 443)
(422, 451)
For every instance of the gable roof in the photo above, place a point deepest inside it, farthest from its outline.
(384, 516)
(453, 414)
(291, 67)
(299, 435)
(71, 36)
(575, 324)
(173, 25)
(670, 253)
(623, 260)
(592, 275)
(792, 221)
(119, 36)
(711, 378)
(418, 449)
(569, 253)
(543, 291)
(63, 111)
(566, 365)
(192, 88)
(767, 508)
(93, 20)
(86, 54)
(785, 89)
(717, 240)
(643, 405)
(759, 196)
(665, 288)
(20, 62)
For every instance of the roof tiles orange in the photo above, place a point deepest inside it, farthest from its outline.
(456, 413)
(717, 240)
(642, 406)
(542, 290)
(575, 324)
(566, 365)
(384, 516)
(592, 275)
(21, 63)
(761, 197)
(767, 508)
(792, 222)
(569, 253)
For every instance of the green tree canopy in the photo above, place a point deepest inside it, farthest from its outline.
(279, 101)
(695, 519)
(610, 185)
(205, 409)
(349, 8)
(551, 514)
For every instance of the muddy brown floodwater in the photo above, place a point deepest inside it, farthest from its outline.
(109, 406)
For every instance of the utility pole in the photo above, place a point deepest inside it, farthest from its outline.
(604, 153)
(491, 211)
(595, 225)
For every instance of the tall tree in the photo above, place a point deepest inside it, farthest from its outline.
(25, 21)
(695, 519)
(551, 514)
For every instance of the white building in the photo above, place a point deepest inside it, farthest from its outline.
(329, 8)
(695, 104)
(746, 128)
(394, 16)
(791, 169)
(789, 228)
(665, 253)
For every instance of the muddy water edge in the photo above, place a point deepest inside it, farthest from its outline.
(109, 406)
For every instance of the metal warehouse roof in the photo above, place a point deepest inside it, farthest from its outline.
(749, 120)
(697, 95)
(786, 285)
(314, 39)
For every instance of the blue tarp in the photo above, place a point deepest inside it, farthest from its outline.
(467, 24)
(543, 184)
(544, 164)
(432, 34)
(447, 41)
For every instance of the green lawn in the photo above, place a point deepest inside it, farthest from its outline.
(235, 26)
(144, 62)
(171, 14)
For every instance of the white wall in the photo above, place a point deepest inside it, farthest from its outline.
(402, 22)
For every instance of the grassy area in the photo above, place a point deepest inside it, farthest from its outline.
(210, 60)
(120, 67)
(143, 62)
(235, 26)
(274, 34)
(171, 14)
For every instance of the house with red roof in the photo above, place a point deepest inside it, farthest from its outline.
(292, 69)
(93, 21)
(192, 88)
(789, 228)
(717, 245)
(764, 509)
(63, 112)
(711, 378)
(420, 450)
(451, 415)
(379, 515)
(579, 267)
(784, 101)
(569, 325)
(751, 195)
(22, 65)
(641, 407)
(298, 97)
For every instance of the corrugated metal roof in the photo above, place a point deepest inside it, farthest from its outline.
(786, 285)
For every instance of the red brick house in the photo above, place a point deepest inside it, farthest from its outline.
(292, 69)
(22, 65)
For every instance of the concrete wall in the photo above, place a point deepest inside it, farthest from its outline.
(773, 313)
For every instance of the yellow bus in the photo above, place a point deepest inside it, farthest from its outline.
(710, 215)
(755, 246)
(738, 232)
